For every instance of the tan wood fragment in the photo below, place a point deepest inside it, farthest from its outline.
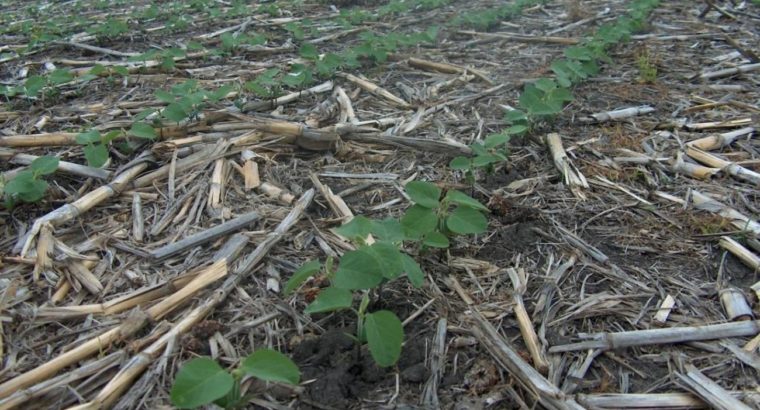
(138, 223)
(709, 391)
(574, 179)
(375, 89)
(519, 283)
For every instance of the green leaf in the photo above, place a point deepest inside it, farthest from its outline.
(272, 366)
(418, 220)
(306, 270)
(385, 335)
(164, 96)
(423, 193)
(34, 84)
(308, 51)
(174, 112)
(90, 137)
(413, 271)
(515, 117)
(516, 129)
(144, 114)
(460, 163)
(356, 229)
(60, 76)
(356, 271)
(483, 160)
(478, 148)
(545, 84)
(219, 93)
(120, 70)
(26, 187)
(465, 220)
(110, 136)
(387, 259)
(436, 239)
(460, 198)
(495, 140)
(330, 299)
(200, 381)
(388, 230)
(96, 154)
(142, 130)
(44, 165)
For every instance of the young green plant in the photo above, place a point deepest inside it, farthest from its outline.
(28, 185)
(364, 269)
(202, 381)
(435, 217)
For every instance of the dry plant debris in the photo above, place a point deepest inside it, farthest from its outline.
(175, 163)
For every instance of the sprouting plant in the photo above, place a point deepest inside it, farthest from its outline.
(231, 42)
(492, 150)
(364, 269)
(36, 83)
(266, 84)
(186, 100)
(109, 72)
(647, 68)
(27, 185)
(110, 29)
(435, 217)
(544, 98)
(299, 76)
(203, 381)
(96, 145)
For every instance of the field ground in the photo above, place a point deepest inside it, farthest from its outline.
(644, 220)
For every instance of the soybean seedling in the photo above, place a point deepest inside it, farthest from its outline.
(435, 216)
(364, 269)
(203, 381)
(28, 186)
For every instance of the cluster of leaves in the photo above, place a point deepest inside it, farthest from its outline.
(492, 150)
(203, 381)
(430, 222)
(185, 101)
(231, 42)
(489, 19)
(110, 29)
(546, 97)
(36, 84)
(27, 185)
(377, 48)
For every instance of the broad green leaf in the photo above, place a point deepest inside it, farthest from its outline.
(356, 271)
(423, 193)
(516, 129)
(465, 220)
(478, 148)
(308, 51)
(460, 163)
(483, 160)
(387, 258)
(219, 93)
(60, 76)
(306, 270)
(144, 114)
(545, 84)
(413, 271)
(174, 112)
(580, 53)
(164, 96)
(90, 137)
(110, 136)
(142, 130)
(272, 366)
(494, 140)
(460, 198)
(385, 335)
(26, 187)
(44, 165)
(515, 116)
(357, 228)
(418, 220)
(200, 381)
(97, 69)
(120, 70)
(96, 154)
(34, 84)
(330, 299)
(388, 230)
(436, 239)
